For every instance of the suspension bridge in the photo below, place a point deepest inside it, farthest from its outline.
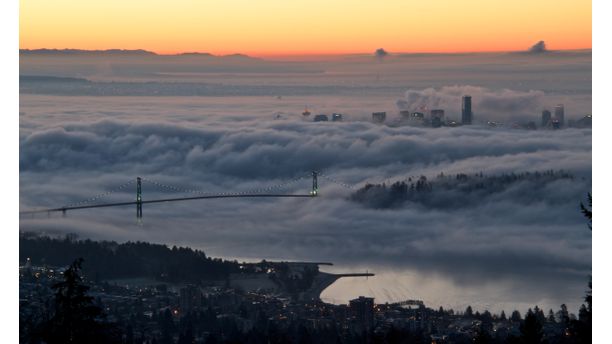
(268, 192)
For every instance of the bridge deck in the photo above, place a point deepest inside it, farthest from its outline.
(163, 200)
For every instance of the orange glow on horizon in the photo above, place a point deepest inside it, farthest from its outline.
(315, 27)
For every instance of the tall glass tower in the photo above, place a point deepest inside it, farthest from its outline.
(546, 117)
(466, 110)
(560, 115)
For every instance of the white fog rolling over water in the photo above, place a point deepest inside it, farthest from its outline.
(235, 123)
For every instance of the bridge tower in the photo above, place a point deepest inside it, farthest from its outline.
(315, 186)
(138, 198)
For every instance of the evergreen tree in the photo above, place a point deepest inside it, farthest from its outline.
(539, 314)
(166, 324)
(129, 335)
(483, 336)
(531, 329)
(516, 316)
(582, 313)
(186, 337)
(588, 212)
(76, 319)
(469, 312)
(589, 299)
(563, 316)
(486, 316)
(584, 326)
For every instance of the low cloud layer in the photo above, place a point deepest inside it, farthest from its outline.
(501, 241)
(225, 128)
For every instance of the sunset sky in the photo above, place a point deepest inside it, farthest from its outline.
(274, 27)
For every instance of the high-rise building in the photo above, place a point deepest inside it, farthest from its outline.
(405, 114)
(584, 122)
(320, 118)
(466, 110)
(560, 115)
(546, 117)
(437, 115)
(362, 309)
(379, 117)
(555, 124)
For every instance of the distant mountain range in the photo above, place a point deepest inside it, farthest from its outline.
(84, 52)
(121, 52)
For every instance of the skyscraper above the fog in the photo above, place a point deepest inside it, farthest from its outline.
(560, 115)
(546, 117)
(466, 110)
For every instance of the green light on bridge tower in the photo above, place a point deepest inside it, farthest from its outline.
(138, 198)
(315, 186)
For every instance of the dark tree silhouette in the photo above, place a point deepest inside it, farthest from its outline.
(469, 312)
(589, 299)
(582, 328)
(111, 260)
(589, 215)
(539, 314)
(563, 315)
(453, 191)
(76, 319)
(588, 212)
(186, 337)
(483, 336)
(531, 329)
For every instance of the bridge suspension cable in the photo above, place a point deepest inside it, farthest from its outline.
(176, 189)
(100, 195)
(335, 181)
